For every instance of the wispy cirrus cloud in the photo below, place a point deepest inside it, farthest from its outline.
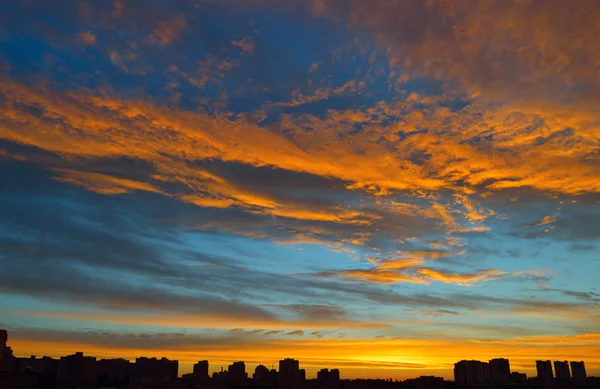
(103, 183)
(415, 275)
(550, 340)
(440, 312)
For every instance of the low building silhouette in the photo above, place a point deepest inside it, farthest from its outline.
(155, 370)
(273, 378)
(26, 379)
(44, 365)
(221, 378)
(261, 373)
(77, 371)
(264, 378)
(329, 379)
(114, 373)
(427, 382)
(301, 378)
(518, 378)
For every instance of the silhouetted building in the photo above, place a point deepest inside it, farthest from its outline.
(26, 379)
(427, 382)
(499, 370)
(335, 374)
(76, 371)
(3, 340)
(518, 378)
(26, 373)
(328, 378)
(273, 378)
(578, 370)
(201, 370)
(561, 369)
(44, 365)
(261, 372)
(114, 373)
(237, 373)
(155, 370)
(288, 373)
(301, 378)
(468, 373)
(544, 370)
(323, 377)
(7, 360)
(263, 378)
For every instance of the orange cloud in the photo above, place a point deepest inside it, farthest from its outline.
(246, 44)
(385, 277)
(362, 160)
(460, 279)
(409, 267)
(168, 31)
(102, 183)
(546, 221)
(87, 38)
(406, 272)
(211, 190)
(376, 161)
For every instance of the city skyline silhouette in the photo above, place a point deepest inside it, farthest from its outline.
(465, 372)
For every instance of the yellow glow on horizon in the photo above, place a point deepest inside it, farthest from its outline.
(400, 358)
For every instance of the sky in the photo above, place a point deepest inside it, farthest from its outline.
(383, 187)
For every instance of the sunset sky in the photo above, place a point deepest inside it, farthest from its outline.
(383, 187)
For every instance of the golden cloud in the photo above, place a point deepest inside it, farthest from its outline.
(527, 149)
(102, 183)
(387, 274)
